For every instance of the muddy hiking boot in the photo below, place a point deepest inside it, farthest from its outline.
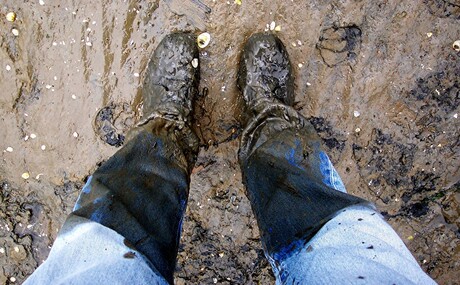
(170, 87)
(172, 78)
(141, 192)
(296, 199)
(265, 73)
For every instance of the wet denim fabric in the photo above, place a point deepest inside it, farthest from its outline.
(139, 194)
(312, 231)
(126, 223)
(90, 253)
(355, 247)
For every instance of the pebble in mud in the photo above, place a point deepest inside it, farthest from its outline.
(15, 32)
(25, 175)
(9, 149)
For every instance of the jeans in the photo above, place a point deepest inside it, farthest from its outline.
(126, 224)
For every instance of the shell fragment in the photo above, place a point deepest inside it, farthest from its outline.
(203, 40)
(195, 62)
(456, 45)
(11, 17)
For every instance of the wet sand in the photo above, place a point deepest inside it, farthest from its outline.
(378, 80)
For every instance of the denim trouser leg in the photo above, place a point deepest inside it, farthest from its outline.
(126, 224)
(312, 231)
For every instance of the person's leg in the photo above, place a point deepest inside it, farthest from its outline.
(126, 224)
(312, 231)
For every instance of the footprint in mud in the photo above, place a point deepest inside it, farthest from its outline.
(444, 8)
(339, 44)
(112, 122)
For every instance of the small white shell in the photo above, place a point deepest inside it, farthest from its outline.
(15, 32)
(203, 40)
(11, 16)
(195, 62)
(272, 25)
(456, 45)
(25, 175)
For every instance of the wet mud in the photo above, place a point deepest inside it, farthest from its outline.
(379, 80)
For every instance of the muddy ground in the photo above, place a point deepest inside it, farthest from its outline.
(379, 80)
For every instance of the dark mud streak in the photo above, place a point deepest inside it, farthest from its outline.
(128, 28)
(108, 23)
(443, 8)
(84, 53)
(153, 6)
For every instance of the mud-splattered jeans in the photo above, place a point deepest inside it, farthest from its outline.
(126, 224)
